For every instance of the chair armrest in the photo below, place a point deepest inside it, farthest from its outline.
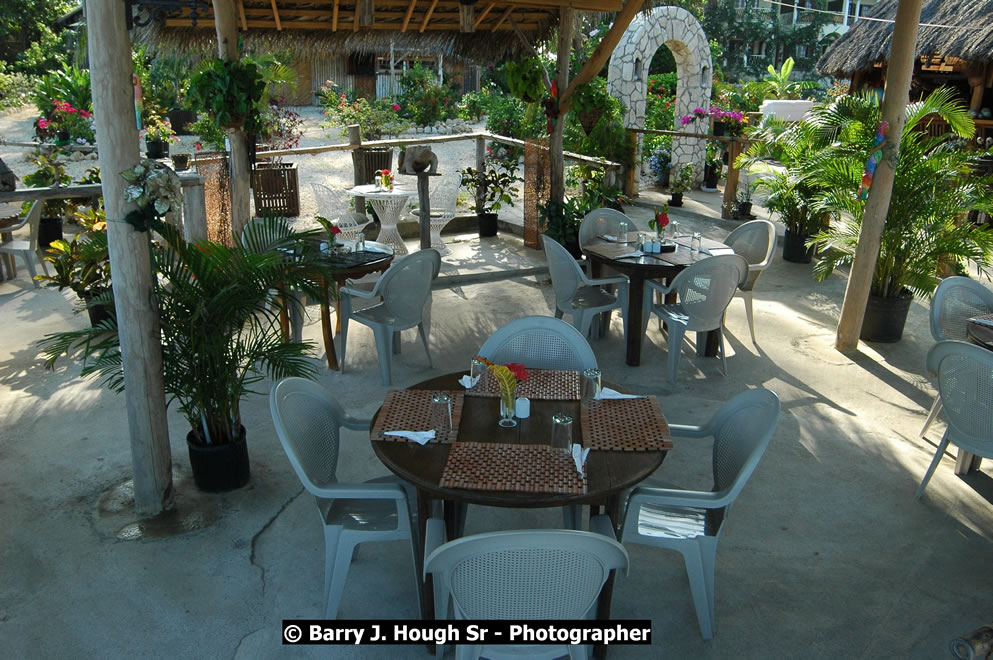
(674, 497)
(606, 280)
(685, 431)
(356, 423)
(361, 293)
(652, 284)
(377, 491)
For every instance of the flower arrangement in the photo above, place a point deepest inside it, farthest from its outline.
(661, 219)
(73, 123)
(158, 129)
(384, 179)
(332, 229)
(157, 191)
(507, 377)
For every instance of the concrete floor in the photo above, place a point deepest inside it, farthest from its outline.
(826, 554)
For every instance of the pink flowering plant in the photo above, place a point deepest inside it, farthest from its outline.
(735, 120)
(77, 124)
(375, 117)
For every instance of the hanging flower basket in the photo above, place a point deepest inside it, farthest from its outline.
(589, 118)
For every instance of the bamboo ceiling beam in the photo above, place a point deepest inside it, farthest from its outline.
(367, 12)
(482, 16)
(355, 16)
(300, 26)
(275, 15)
(602, 52)
(427, 16)
(334, 17)
(547, 5)
(410, 12)
(503, 19)
(241, 15)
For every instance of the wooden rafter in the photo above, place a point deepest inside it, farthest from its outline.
(427, 16)
(275, 15)
(355, 16)
(410, 12)
(241, 15)
(291, 26)
(503, 19)
(483, 15)
(334, 17)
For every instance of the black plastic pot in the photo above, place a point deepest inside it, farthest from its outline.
(180, 118)
(745, 209)
(676, 199)
(49, 229)
(98, 313)
(218, 468)
(663, 179)
(885, 318)
(795, 250)
(487, 224)
(711, 175)
(156, 148)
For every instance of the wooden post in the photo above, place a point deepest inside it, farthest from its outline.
(731, 185)
(355, 137)
(480, 164)
(226, 25)
(894, 110)
(556, 175)
(424, 202)
(130, 260)
(194, 207)
(630, 175)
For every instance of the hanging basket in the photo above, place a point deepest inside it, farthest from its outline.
(589, 118)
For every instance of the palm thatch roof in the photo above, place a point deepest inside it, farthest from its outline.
(949, 28)
(485, 32)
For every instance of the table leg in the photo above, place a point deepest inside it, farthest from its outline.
(427, 584)
(8, 259)
(636, 319)
(332, 355)
(389, 214)
(606, 594)
(708, 343)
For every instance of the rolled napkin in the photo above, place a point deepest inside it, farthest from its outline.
(607, 393)
(468, 382)
(579, 456)
(420, 437)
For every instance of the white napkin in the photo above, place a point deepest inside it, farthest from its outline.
(468, 382)
(420, 437)
(608, 237)
(716, 252)
(607, 393)
(636, 253)
(579, 456)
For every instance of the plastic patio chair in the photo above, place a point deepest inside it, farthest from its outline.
(691, 521)
(577, 294)
(755, 241)
(335, 206)
(600, 222)
(540, 342)
(444, 197)
(308, 422)
(521, 575)
(705, 289)
(405, 288)
(955, 301)
(965, 385)
(26, 250)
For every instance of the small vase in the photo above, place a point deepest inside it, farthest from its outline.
(507, 409)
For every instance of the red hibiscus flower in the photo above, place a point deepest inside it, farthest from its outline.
(335, 230)
(519, 371)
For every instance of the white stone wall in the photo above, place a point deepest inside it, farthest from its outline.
(627, 79)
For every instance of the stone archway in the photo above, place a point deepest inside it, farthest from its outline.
(627, 78)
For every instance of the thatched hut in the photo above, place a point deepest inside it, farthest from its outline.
(331, 41)
(954, 49)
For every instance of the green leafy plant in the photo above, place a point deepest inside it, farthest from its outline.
(168, 80)
(51, 172)
(561, 220)
(683, 180)
(82, 263)
(474, 106)
(493, 186)
(220, 332)
(526, 79)
(70, 85)
(777, 84)
(935, 184)
(423, 100)
(230, 92)
(159, 128)
(375, 117)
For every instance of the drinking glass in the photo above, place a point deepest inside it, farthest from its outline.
(697, 241)
(441, 414)
(360, 241)
(476, 369)
(590, 387)
(622, 230)
(562, 432)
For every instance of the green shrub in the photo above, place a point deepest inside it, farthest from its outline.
(376, 118)
(70, 84)
(474, 106)
(15, 88)
(423, 100)
(505, 117)
(49, 53)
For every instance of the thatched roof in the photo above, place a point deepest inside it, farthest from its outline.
(322, 27)
(970, 38)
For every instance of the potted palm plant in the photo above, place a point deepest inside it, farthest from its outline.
(220, 335)
(790, 196)
(925, 230)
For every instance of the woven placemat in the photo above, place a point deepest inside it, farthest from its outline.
(410, 410)
(547, 384)
(626, 425)
(520, 468)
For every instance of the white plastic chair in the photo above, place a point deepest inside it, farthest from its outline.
(540, 342)
(691, 521)
(755, 241)
(965, 385)
(444, 198)
(521, 575)
(405, 288)
(705, 289)
(577, 294)
(308, 422)
(26, 250)
(334, 205)
(600, 222)
(955, 301)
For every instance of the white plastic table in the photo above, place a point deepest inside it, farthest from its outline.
(389, 204)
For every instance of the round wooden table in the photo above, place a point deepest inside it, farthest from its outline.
(662, 266)
(609, 473)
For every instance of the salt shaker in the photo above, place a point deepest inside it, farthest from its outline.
(562, 432)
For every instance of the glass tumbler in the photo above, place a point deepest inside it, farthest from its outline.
(441, 414)
(590, 384)
(476, 369)
(697, 241)
(622, 230)
(562, 432)
(360, 241)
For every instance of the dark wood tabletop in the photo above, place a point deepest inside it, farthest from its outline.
(663, 266)
(980, 332)
(609, 473)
